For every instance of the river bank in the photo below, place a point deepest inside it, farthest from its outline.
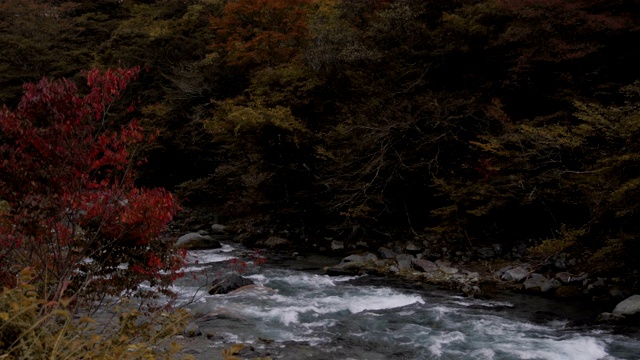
(296, 311)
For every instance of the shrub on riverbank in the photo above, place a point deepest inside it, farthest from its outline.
(34, 328)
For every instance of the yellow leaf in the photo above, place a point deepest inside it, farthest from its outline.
(4, 316)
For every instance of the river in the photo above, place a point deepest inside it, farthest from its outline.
(296, 312)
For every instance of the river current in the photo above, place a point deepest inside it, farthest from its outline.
(296, 312)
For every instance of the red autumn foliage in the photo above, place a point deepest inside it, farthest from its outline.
(269, 32)
(71, 209)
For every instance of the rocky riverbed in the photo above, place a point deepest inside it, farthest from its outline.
(305, 307)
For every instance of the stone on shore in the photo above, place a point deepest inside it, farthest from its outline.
(386, 253)
(628, 306)
(424, 265)
(539, 282)
(404, 261)
(192, 330)
(274, 242)
(195, 241)
(515, 274)
(218, 229)
(228, 283)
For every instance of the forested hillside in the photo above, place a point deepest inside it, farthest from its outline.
(459, 123)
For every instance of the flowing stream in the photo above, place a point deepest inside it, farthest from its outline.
(296, 312)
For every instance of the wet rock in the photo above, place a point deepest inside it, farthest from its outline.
(472, 275)
(228, 283)
(192, 330)
(539, 282)
(218, 228)
(446, 267)
(606, 317)
(564, 277)
(579, 279)
(515, 274)
(629, 306)
(386, 253)
(448, 270)
(404, 261)
(424, 265)
(337, 245)
(340, 270)
(353, 259)
(370, 257)
(250, 352)
(394, 269)
(196, 241)
(485, 253)
(276, 242)
(412, 248)
(470, 290)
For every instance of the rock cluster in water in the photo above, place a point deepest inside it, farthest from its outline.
(550, 278)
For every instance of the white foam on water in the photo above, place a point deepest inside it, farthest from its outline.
(190, 269)
(257, 278)
(441, 311)
(287, 309)
(208, 256)
(312, 280)
(484, 303)
(406, 313)
(483, 354)
(579, 347)
(444, 339)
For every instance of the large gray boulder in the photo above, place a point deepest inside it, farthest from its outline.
(404, 261)
(195, 241)
(424, 265)
(228, 283)
(628, 306)
(539, 282)
(386, 253)
(515, 274)
(276, 242)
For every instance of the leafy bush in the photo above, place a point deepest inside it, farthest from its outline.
(34, 328)
(71, 208)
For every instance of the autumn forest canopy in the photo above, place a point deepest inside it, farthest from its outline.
(460, 123)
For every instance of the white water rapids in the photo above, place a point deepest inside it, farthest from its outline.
(306, 315)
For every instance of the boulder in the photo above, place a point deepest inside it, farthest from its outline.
(353, 259)
(628, 306)
(539, 282)
(276, 242)
(340, 270)
(404, 261)
(369, 257)
(386, 253)
(192, 330)
(485, 253)
(515, 274)
(195, 241)
(226, 284)
(448, 270)
(472, 275)
(564, 277)
(337, 245)
(412, 248)
(424, 265)
(218, 229)
(606, 317)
